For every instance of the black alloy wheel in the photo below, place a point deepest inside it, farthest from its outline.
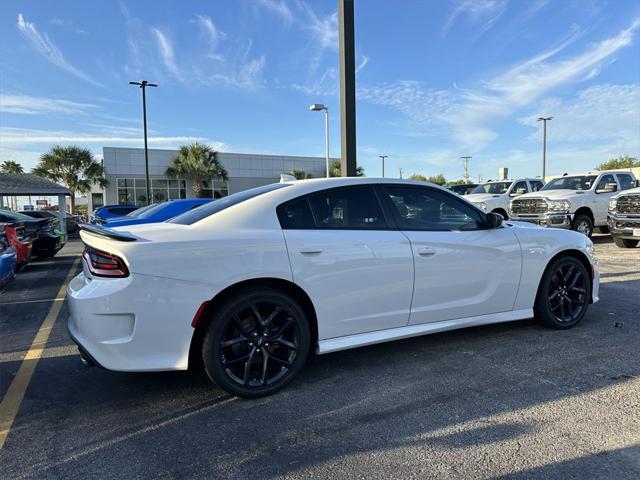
(564, 293)
(256, 343)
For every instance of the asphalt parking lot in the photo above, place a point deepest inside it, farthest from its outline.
(513, 400)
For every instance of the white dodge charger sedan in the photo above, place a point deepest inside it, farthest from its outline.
(246, 286)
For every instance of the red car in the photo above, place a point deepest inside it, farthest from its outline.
(18, 239)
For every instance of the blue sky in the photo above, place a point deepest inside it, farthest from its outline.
(436, 79)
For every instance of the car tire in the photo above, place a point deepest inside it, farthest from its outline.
(501, 212)
(256, 343)
(582, 223)
(625, 242)
(564, 293)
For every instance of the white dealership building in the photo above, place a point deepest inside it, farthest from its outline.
(124, 169)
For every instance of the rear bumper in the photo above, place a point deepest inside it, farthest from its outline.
(555, 220)
(622, 226)
(139, 323)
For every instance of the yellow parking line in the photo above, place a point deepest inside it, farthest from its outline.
(11, 402)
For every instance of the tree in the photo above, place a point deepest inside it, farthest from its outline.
(10, 166)
(437, 179)
(623, 161)
(335, 169)
(73, 166)
(198, 161)
(299, 174)
(419, 177)
(455, 182)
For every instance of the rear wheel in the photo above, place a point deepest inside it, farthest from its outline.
(256, 343)
(564, 293)
(582, 223)
(625, 242)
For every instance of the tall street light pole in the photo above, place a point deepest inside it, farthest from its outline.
(382, 157)
(544, 144)
(143, 86)
(317, 107)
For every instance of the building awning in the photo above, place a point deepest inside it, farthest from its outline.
(29, 184)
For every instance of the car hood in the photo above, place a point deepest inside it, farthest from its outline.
(554, 194)
(633, 191)
(481, 197)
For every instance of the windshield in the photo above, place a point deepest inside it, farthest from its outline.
(138, 211)
(208, 209)
(579, 182)
(153, 208)
(496, 188)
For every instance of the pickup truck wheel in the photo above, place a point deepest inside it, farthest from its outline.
(583, 224)
(564, 293)
(256, 343)
(625, 242)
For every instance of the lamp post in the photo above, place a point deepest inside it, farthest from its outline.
(382, 157)
(544, 144)
(317, 107)
(143, 86)
(466, 159)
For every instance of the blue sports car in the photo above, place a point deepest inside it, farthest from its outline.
(158, 213)
(7, 259)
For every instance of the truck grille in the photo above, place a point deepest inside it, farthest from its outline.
(628, 204)
(528, 206)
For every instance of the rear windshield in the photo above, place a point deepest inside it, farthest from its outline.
(208, 209)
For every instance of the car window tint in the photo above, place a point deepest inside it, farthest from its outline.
(536, 185)
(626, 181)
(519, 185)
(296, 215)
(604, 180)
(427, 209)
(352, 208)
(120, 210)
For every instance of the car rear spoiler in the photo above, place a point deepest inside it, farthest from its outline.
(107, 232)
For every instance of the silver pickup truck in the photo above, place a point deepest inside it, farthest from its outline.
(624, 218)
(579, 202)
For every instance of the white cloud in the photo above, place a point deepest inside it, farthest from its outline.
(211, 32)
(476, 11)
(165, 48)
(279, 8)
(28, 105)
(45, 47)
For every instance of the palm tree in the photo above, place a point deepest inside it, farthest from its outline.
(73, 166)
(199, 162)
(299, 174)
(335, 170)
(10, 166)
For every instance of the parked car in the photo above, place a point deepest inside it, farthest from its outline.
(250, 284)
(134, 213)
(160, 212)
(495, 196)
(46, 240)
(71, 221)
(8, 258)
(576, 202)
(623, 218)
(18, 238)
(101, 214)
(463, 189)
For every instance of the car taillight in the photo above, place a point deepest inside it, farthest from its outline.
(103, 264)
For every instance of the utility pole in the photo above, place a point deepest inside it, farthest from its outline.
(143, 86)
(544, 144)
(400, 169)
(382, 157)
(346, 39)
(466, 167)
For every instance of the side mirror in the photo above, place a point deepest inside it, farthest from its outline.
(609, 187)
(519, 191)
(494, 220)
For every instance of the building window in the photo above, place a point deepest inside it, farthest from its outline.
(216, 188)
(134, 190)
(97, 200)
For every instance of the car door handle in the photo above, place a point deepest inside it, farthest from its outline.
(311, 251)
(426, 252)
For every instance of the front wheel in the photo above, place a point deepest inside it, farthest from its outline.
(564, 293)
(625, 242)
(583, 224)
(256, 343)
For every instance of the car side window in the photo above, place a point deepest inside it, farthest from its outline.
(602, 184)
(519, 188)
(350, 208)
(536, 185)
(431, 210)
(626, 181)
